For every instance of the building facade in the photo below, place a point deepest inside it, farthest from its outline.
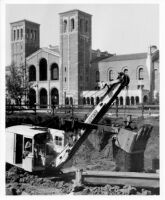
(43, 71)
(70, 74)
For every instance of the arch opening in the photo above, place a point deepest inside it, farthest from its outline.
(32, 73)
(54, 96)
(137, 100)
(127, 101)
(43, 69)
(121, 101)
(145, 99)
(132, 100)
(97, 100)
(43, 98)
(54, 71)
(88, 100)
(32, 97)
(92, 101)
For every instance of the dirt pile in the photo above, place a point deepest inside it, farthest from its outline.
(20, 182)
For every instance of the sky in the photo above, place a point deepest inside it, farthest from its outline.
(116, 28)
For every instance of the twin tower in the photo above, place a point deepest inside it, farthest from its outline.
(75, 50)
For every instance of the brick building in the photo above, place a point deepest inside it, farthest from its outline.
(138, 66)
(25, 39)
(69, 74)
(75, 49)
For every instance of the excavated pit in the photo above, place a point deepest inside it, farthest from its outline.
(94, 154)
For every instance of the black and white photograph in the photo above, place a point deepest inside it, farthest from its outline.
(81, 99)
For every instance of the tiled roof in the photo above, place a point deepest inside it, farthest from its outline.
(75, 10)
(126, 57)
(97, 59)
(24, 20)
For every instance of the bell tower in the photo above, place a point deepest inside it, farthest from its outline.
(75, 48)
(25, 40)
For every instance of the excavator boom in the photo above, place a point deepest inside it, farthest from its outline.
(113, 89)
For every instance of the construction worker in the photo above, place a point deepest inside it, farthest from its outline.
(28, 146)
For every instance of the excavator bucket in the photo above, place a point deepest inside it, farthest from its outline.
(129, 148)
(132, 142)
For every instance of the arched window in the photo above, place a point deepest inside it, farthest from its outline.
(14, 34)
(132, 101)
(127, 101)
(86, 26)
(111, 75)
(72, 24)
(32, 97)
(145, 99)
(54, 96)
(81, 25)
(71, 101)
(65, 26)
(97, 76)
(43, 98)
(27, 33)
(54, 72)
(97, 100)
(121, 100)
(32, 73)
(21, 33)
(88, 100)
(92, 101)
(67, 101)
(17, 34)
(125, 71)
(43, 69)
(84, 100)
(140, 74)
(137, 100)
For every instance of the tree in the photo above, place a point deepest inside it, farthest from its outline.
(17, 83)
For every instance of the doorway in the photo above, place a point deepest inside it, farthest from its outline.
(18, 149)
